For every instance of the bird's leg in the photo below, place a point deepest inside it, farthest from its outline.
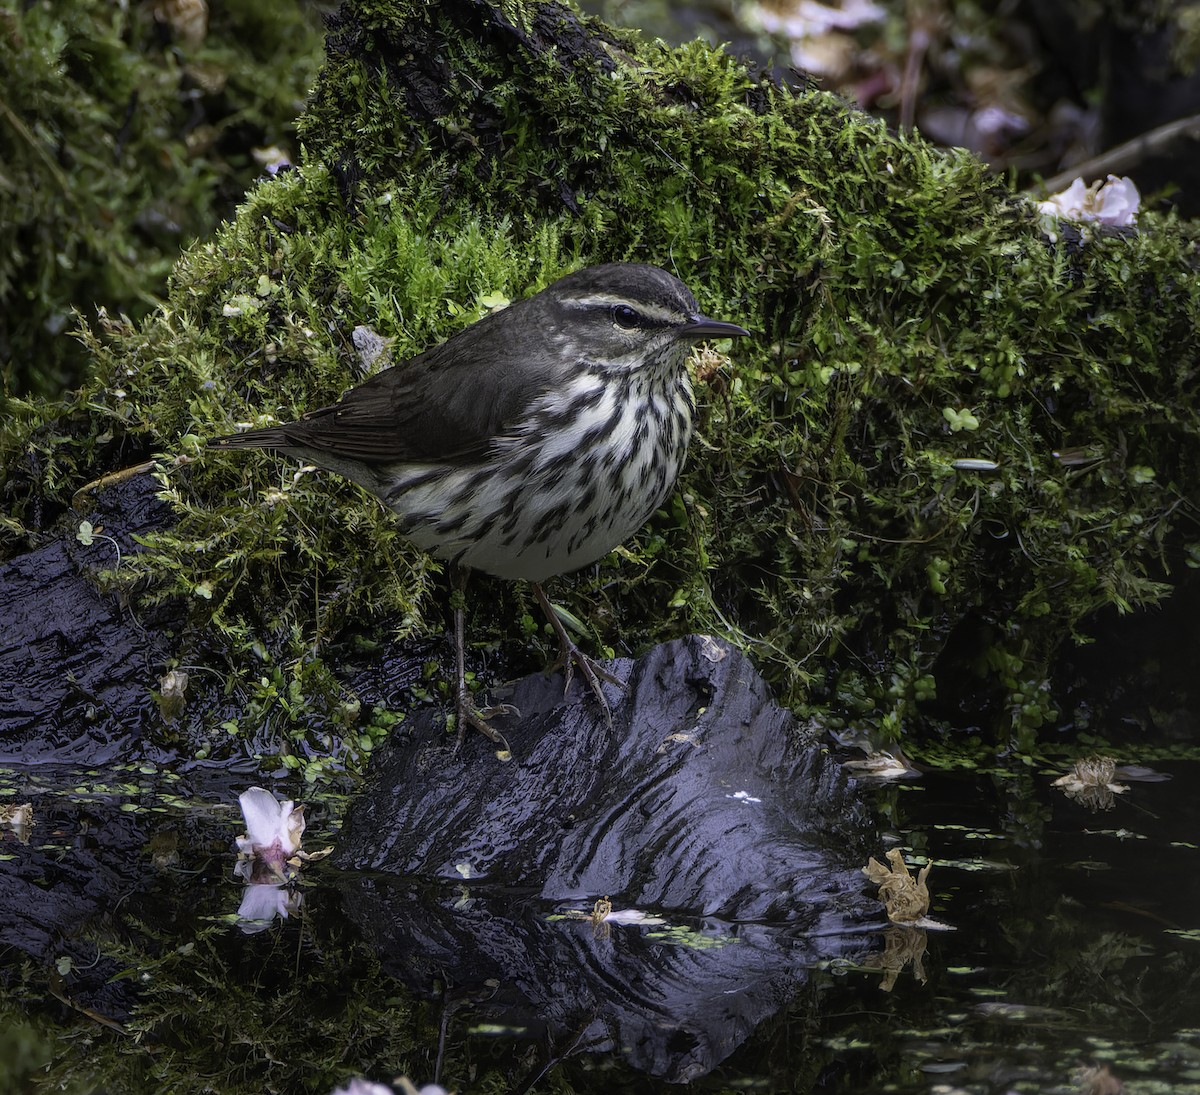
(465, 712)
(569, 656)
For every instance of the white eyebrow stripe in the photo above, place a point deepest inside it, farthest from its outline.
(657, 312)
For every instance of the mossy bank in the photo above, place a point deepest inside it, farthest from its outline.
(960, 432)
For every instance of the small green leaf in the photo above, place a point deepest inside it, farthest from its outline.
(960, 420)
(494, 301)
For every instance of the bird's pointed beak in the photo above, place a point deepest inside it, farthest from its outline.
(702, 327)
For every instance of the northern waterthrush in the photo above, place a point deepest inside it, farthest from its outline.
(529, 444)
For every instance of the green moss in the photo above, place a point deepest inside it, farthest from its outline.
(914, 315)
(121, 138)
(213, 1027)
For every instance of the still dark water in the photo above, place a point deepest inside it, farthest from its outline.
(124, 967)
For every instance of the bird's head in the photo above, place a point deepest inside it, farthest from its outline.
(626, 316)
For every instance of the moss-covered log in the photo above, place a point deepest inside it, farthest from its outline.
(961, 432)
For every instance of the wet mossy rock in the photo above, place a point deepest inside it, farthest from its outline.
(959, 435)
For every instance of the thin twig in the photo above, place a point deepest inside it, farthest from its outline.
(1124, 157)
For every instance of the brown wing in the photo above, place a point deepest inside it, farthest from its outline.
(445, 405)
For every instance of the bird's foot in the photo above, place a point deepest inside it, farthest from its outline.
(465, 712)
(477, 718)
(571, 657)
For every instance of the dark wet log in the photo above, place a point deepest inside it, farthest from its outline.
(76, 664)
(704, 795)
(704, 802)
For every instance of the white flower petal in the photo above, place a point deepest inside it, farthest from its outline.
(260, 809)
(270, 824)
(1117, 202)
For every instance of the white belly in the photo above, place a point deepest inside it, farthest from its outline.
(549, 501)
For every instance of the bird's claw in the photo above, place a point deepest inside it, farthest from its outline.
(570, 656)
(499, 710)
(467, 714)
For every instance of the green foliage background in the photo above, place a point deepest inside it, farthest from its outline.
(121, 139)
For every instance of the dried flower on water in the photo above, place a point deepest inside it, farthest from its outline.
(1092, 783)
(19, 819)
(905, 898)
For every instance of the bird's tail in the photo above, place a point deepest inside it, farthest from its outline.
(273, 437)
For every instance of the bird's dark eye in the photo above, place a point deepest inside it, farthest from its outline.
(624, 316)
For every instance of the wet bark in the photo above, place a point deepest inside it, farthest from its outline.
(77, 663)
